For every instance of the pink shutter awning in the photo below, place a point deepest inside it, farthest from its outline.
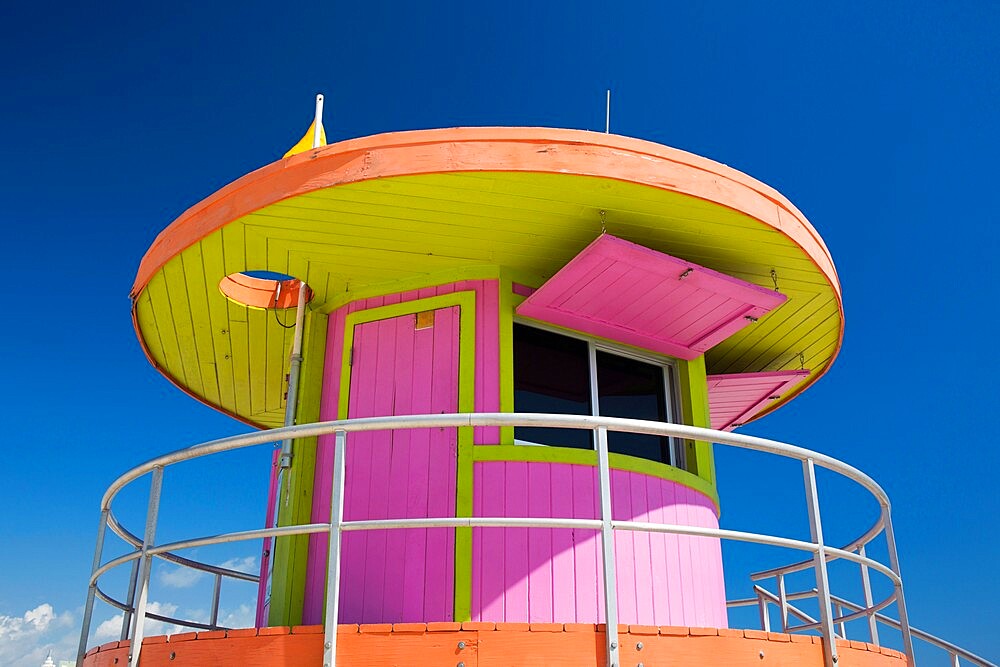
(626, 292)
(735, 399)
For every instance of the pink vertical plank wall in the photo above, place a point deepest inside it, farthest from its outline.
(422, 399)
(542, 575)
(401, 575)
(519, 575)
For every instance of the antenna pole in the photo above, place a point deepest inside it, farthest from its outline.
(607, 115)
(318, 121)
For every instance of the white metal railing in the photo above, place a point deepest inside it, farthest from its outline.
(831, 614)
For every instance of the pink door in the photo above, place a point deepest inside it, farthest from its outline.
(402, 365)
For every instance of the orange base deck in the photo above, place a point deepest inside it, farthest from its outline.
(490, 645)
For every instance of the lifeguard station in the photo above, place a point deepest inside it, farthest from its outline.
(496, 359)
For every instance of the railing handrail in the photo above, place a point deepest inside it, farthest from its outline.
(147, 550)
(508, 419)
(581, 422)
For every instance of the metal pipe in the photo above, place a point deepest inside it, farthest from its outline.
(838, 614)
(927, 637)
(832, 553)
(819, 560)
(88, 607)
(608, 550)
(866, 585)
(130, 600)
(152, 513)
(216, 591)
(502, 419)
(318, 122)
(858, 611)
(115, 562)
(183, 622)
(476, 522)
(333, 563)
(795, 611)
(607, 114)
(765, 618)
(904, 622)
(783, 604)
(240, 536)
(295, 366)
(749, 602)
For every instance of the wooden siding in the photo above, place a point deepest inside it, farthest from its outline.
(486, 399)
(631, 294)
(552, 575)
(346, 238)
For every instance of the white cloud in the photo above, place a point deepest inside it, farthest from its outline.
(25, 640)
(109, 629)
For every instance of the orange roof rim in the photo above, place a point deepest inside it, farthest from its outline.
(512, 149)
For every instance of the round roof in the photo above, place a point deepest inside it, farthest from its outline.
(412, 205)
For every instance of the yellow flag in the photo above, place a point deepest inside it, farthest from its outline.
(306, 142)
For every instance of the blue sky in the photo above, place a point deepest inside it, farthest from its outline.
(878, 120)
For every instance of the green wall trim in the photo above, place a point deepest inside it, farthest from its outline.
(694, 382)
(465, 466)
(535, 453)
(505, 362)
(466, 302)
(296, 490)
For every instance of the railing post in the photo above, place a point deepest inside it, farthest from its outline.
(765, 617)
(216, 591)
(88, 608)
(830, 657)
(838, 611)
(866, 584)
(333, 562)
(783, 598)
(152, 512)
(608, 550)
(133, 579)
(904, 622)
(954, 659)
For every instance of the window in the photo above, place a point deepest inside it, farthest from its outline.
(562, 374)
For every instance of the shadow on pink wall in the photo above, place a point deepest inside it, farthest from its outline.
(554, 575)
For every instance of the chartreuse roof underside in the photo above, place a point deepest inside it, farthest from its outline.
(349, 237)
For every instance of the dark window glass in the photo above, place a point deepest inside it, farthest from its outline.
(632, 389)
(551, 374)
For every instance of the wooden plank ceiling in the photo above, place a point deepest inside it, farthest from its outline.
(374, 232)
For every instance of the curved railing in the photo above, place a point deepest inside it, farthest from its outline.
(831, 608)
